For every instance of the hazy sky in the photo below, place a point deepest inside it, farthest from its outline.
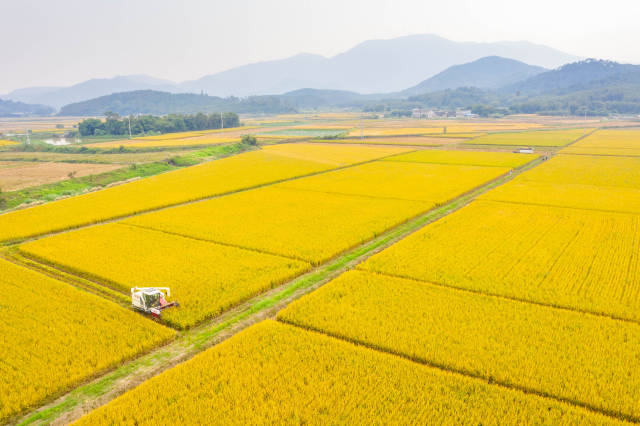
(61, 42)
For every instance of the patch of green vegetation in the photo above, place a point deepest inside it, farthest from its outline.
(74, 186)
(195, 157)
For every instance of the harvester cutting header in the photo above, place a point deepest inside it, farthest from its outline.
(151, 300)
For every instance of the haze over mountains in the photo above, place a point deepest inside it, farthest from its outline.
(592, 86)
(374, 66)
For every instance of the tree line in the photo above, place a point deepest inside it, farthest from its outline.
(114, 124)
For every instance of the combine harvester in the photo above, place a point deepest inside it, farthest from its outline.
(151, 300)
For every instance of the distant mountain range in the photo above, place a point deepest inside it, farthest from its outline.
(581, 75)
(18, 109)
(59, 96)
(159, 103)
(374, 66)
(595, 87)
(592, 86)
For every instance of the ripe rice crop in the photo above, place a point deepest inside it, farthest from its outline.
(401, 180)
(205, 278)
(335, 155)
(532, 138)
(394, 131)
(469, 158)
(608, 142)
(273, 373)
(55, 336)
(580, 259)
(596, 170)
(399, 140)
(4, 142)
(196, 133)
(167, 136)
(139, 143)
(573, 356)
(308, 132)
(607, 198)
(192, 183)
(303, 225)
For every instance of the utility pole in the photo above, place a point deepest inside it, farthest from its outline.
(129, 117)
(221, 122)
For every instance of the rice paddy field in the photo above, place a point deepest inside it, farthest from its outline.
(304, 132)
(544, 138)
(398, 279)
(608, 142)
(5, 142)
(206, 180)
(61, 332)
(197, 140)
(400, 140)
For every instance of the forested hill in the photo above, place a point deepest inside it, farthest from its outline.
(158, 103)
(18, 109)
(485, 73)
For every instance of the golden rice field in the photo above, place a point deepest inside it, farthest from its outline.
(205, 278)
(579, 259)
(394, 131)
(205, 180)
(55, 336)
(595, 170)
(196, 133)
(273, 373)
(304, 225)
(175, 135)
(548, 138)
(5, 142)
(332, 154)
(592, 197)
(400, 140)
(468, 158)
(608, 142)
(157, 143)
(436, 183)
(582, 358)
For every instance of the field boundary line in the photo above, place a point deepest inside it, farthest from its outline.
(75, 280)
(465, 373)
(188, 343)
(182, 203)
(454, 164)
(507, 297)
(557, 206)
(204, 240)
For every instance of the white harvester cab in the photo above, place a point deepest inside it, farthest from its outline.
(151, 300)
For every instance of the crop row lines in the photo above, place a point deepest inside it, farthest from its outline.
(513, 298)
(466, 373)
(191, 201)
(92, 286)
(524, 203)
(248, 311)
(204, 240)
